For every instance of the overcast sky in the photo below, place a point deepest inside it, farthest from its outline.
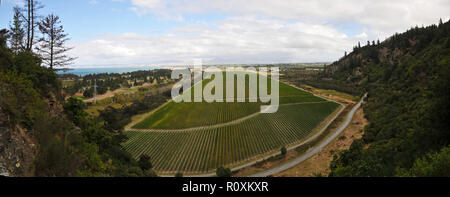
(135, 32)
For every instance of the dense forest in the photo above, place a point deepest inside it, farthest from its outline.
(408, 104)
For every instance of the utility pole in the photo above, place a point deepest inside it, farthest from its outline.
(95, 91)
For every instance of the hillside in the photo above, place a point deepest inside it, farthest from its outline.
(41, 134)
(407, 78)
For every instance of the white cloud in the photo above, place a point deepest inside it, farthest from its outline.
(234, 40)
(260, 31)
(380, 16)
(362, 36)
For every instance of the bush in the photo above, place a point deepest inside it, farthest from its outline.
(433, 165)
(145, 163)
(74, 108)
(179, 174)
(44, 79)
(283, 151)
(20, 99)
(223, 172)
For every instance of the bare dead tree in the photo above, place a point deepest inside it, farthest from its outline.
(35, 6)
(51, 46)
(31, 18)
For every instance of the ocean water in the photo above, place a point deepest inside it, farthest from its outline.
(87, 71)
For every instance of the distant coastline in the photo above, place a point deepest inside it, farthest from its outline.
(87, 71)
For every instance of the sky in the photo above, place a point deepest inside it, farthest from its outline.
(121, 33)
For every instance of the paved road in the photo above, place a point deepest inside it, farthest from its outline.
(315, 149)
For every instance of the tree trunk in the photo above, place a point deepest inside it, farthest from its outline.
(52, 41)
(51, 55)
(32, 25)
(28, 24)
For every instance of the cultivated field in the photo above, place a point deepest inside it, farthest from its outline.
(188, 115)
(182, 137)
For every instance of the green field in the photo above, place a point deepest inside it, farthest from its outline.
(200, 150)
(187, 115)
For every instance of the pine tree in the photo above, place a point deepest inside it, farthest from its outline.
(52, 44)
(359, 44)
(17, 32)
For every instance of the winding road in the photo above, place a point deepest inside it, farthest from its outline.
(315, 149)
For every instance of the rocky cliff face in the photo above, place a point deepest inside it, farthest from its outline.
(17, 149)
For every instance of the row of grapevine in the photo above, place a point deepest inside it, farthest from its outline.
(193, 114)
(206, 149)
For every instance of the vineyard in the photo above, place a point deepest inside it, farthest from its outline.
(206, 149)
(182, 137)
(188, 115)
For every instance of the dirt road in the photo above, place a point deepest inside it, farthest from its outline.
(315, 149)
